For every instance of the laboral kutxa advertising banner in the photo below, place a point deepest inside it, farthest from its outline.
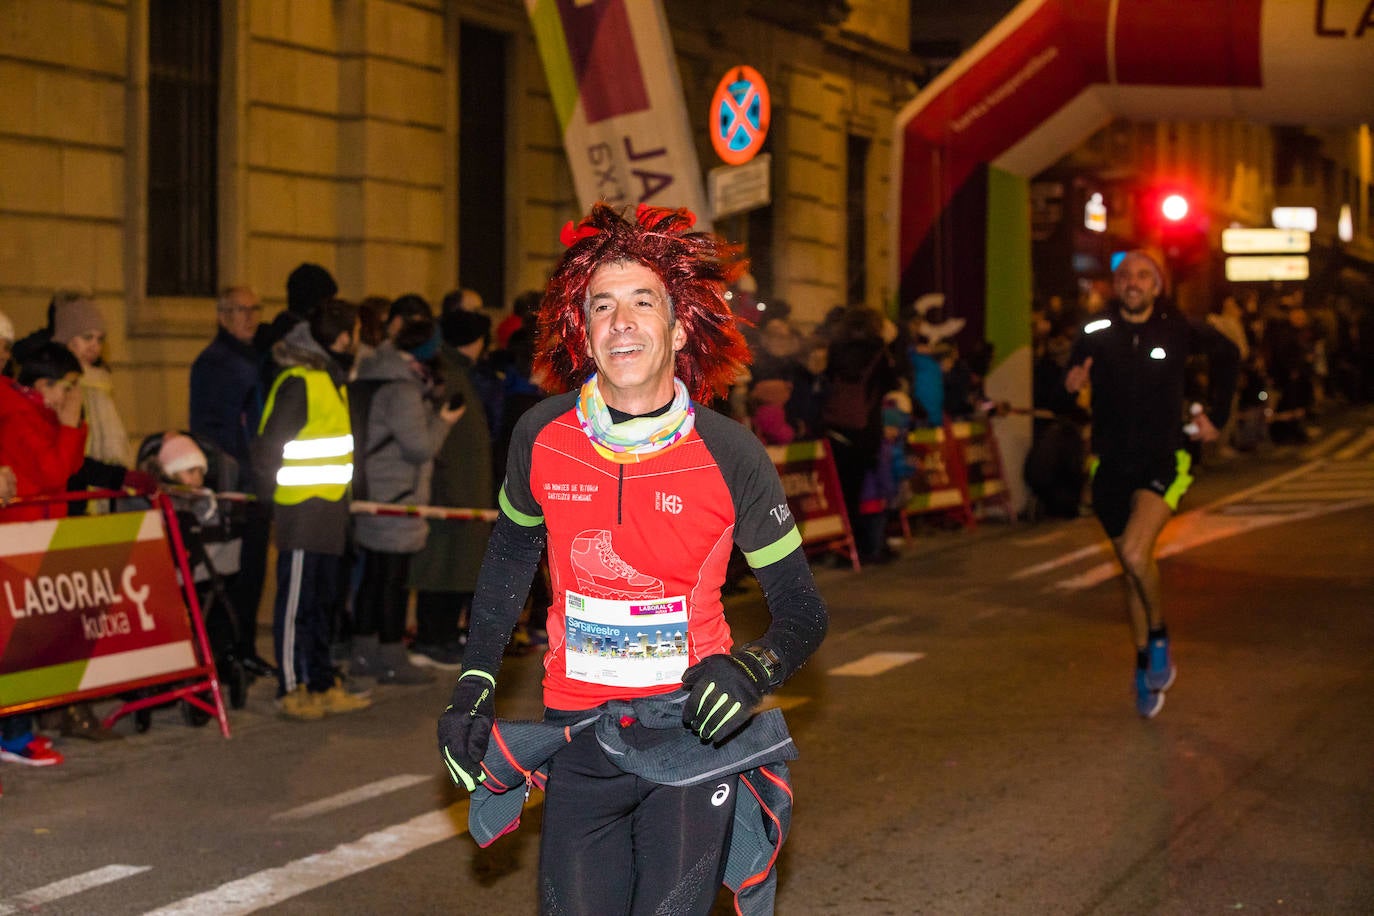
(87, 603)
(615, 87)
(812, 488)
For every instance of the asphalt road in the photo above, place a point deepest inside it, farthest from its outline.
(968, 737)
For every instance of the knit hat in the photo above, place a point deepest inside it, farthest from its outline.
(6, 328)
(79, 316)
(180, 453)
(308, 287)
(462, 327)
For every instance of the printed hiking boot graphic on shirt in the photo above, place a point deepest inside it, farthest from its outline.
(600, 570)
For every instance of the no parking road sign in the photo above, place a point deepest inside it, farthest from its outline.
(739, 115)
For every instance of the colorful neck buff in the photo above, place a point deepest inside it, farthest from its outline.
(639, 438)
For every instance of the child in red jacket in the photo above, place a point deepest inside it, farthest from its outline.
(42, 443)
(42, 436)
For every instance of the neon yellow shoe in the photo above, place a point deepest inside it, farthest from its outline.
(338, 700)
(302, 705)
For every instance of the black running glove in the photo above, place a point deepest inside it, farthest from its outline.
(724, 691)
(465, 728)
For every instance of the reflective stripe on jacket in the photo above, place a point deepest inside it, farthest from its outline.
(318, 462)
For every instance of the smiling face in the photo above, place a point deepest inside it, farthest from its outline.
(1137, 285)
(632, 336)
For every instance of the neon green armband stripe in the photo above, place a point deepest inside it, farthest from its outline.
(775, 551)
(478, 672)
(515, 515)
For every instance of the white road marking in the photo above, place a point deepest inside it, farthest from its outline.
(351, 797)
(49, 893)
(1204, 530)
(882, 623)
(1293, 492)
(1321, 447)
(1315, 488)
(1040, 539)
(877, 663)
(274, 885)
(1354, 448)
(1074, 556)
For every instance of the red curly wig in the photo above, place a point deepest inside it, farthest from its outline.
(695, 267)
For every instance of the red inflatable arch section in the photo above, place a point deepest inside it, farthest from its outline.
(1054, 71)
(1041, 82)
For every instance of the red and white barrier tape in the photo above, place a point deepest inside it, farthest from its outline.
(361, 507)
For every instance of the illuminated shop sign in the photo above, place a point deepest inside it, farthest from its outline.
(1095, 214)
(1304, 218)
(1266, 267)
(1265, 241)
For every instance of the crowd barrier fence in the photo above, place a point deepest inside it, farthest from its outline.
(93, 606)
(958, 468)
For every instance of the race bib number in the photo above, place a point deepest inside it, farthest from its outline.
(626, 643)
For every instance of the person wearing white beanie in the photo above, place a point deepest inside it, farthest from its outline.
(182, 460)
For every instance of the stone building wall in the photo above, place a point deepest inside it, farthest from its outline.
(338, 144)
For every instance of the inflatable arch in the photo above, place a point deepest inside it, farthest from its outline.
(1041, 82)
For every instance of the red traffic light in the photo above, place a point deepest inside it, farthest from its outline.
(1174, 207)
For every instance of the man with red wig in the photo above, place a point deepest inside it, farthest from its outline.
(640, 492)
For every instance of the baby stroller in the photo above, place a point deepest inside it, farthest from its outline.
(212, 533)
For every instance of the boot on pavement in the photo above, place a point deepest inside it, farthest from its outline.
(396, 667)
(365, 658)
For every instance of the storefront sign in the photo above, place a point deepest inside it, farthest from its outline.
(1266, 267)
(1304, 218)
(1266, 241)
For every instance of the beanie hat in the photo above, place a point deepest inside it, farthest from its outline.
(180, 453)
(6, 328)
(462, 327)
(308, 286)
(71, 319)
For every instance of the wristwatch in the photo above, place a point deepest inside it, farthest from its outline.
(772, 664)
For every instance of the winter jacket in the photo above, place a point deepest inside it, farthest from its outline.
(518, 755)
(462, 479)
(403, 434)
(315, 525)
(226, 400)
(42, 452)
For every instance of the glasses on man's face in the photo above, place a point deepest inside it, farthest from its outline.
(243, 309)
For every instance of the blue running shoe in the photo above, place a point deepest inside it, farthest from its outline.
(1148, 702)
(1161, 671)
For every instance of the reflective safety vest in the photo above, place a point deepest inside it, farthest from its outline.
(318, 463)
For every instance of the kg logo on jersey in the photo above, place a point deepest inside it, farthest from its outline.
(667, 502)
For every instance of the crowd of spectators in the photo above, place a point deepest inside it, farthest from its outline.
(432, 396)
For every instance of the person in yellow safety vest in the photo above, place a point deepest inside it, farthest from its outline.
(303, 464)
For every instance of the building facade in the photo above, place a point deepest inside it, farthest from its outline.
(156, 151)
